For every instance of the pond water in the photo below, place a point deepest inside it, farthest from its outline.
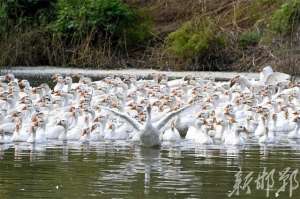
(126, 170)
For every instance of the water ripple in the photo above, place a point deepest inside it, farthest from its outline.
(119, 169)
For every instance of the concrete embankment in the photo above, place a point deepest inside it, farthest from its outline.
(47, 71)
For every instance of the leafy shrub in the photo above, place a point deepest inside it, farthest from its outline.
(140, 31)
(249, 39)
(285, 17)
(101, 16)
(194, 38)
(3, 18)
(29, 11)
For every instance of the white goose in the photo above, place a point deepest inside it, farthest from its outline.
(149, 133)
(60, 83)
(261, 128)
(198, 132)
(235, 138)
(32, 131)
(97, 132)
(202, 136)
(41, 132)
(63, 124)
(193, 131)
(21, 132)
(113, 133)
(55, 131)
(295, 134)
(171, 134)
(265, 136)
(220, 128)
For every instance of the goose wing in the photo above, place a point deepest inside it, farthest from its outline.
(162, 122)
(124, 116)
(277, 77)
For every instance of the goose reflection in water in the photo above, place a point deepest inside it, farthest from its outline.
(149, 161)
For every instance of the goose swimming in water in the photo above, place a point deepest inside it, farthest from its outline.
(198, 132)
(234, 138)
(149, 133)
(113, 133)
(32, 131)
(171, 134)
(295, 134)
(63, 129)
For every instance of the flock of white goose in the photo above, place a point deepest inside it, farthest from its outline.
(150, 111)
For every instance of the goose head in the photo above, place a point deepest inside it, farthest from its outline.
(142, 118)
(263, 119)
(9, 77)
(240, 129)
(77, 77)
(100, 119)
(58, 103)
(205, 126)
(13, 85)
(68, 80)
(91, 112)
(54, 77)
(60, 79)
(156, 77)
(148, 109)
(18, 125)
(232, 120)
(46, 89)
(86, 131)
(24, 100)
(265, 73)
(228, 111)
(274, 117)
(33, 127)
(297, 121)
(220, 123)
(42, 124)
(112, 127)
(17, 114)
(173, 124)
(63, 123)
(234, 80)
(97, 124)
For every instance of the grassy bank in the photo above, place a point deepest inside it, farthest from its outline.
(163, 34)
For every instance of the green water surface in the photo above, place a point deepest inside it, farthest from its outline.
(126, 170)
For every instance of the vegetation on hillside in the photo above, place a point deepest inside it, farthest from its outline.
(165, 34)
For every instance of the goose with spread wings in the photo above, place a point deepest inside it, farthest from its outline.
(150, 131)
